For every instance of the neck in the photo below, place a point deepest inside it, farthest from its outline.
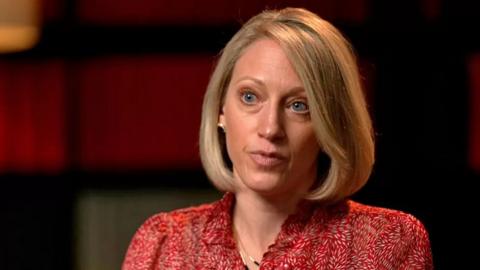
(257, 220)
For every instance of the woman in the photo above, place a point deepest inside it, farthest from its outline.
(285, 132)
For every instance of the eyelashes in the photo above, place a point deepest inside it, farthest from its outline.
(250, 98)
(299, 107)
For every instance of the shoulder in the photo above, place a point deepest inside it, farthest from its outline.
(172, 222)
(382, 218)
(372, 222)
(168, 230)
(168, 222)
(392, 226)
(395, 237)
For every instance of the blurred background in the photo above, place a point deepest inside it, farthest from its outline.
(100, 105)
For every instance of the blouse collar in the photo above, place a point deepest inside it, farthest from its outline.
(218, 229)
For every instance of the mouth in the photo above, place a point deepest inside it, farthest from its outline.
(267, 159)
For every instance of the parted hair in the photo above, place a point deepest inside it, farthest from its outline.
(326, 65)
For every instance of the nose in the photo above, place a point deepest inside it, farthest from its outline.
(270, 124)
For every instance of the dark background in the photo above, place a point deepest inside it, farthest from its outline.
(110, 99)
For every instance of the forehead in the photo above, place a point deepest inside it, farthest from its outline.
(265, 60)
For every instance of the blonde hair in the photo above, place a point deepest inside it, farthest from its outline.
(326, 65)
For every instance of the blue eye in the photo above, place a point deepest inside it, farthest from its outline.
(249, 97)
(299, 107)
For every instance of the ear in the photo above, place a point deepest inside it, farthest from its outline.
(221, 116)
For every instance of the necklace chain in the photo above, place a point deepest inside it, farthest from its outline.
(242, 247)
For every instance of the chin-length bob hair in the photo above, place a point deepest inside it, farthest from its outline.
(326, 65)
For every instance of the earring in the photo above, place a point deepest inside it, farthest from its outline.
(220, 125)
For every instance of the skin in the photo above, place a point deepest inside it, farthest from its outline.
(270, 140)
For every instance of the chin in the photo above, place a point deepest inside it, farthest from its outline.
(265, 183)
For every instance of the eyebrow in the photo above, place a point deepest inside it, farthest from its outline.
(293, 90)
(244, 78)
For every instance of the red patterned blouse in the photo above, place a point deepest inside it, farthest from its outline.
(347, 235)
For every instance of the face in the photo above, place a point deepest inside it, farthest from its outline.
(269, 134)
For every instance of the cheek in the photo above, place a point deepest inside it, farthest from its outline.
(307, 148)
(235, 136)
(237, 123)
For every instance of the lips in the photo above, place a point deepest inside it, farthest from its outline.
(267, 159)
